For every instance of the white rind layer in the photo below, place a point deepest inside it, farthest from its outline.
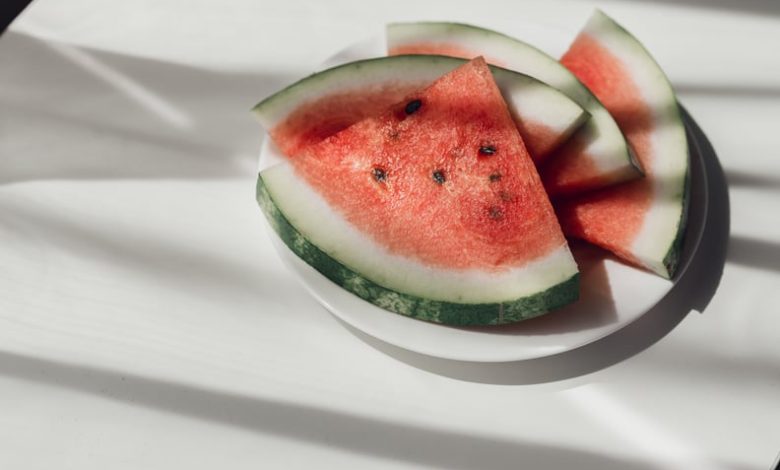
(670, 160)
(532, 101)
(527, 98)
(605, 141)
(317, 221)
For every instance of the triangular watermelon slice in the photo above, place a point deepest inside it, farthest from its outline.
(597, 154)
(642, 221)
(326, 102)
(433, 209)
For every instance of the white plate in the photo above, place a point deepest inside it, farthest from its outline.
(612, 294)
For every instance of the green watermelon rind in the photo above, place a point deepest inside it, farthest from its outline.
(436, 311)
(673, 256)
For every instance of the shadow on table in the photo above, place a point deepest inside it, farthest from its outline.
(163, 260)
(743, 179)
(75, 113)
(692, 291)
(430, 447)
(753, 252)
(727, 90)
(756, 7)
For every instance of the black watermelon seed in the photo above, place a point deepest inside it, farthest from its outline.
(495, 213)
(505, 195)
(487, 150)
(494, 177)
(413, 106)
(438, 177)
(379, 174)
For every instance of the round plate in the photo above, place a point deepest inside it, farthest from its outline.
(612, 294)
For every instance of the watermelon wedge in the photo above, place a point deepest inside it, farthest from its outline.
(433, 209)
(596, 156)
(322, 104)
(642, 221)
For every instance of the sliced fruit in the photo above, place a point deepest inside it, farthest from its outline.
(596, 156)
(324, 103)
(433, 209)
(642, 221)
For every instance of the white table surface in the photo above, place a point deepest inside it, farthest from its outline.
(146, 321)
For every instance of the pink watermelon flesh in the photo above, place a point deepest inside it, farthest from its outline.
(444, 178)
(573, 171)
(569, 171)
(613, 217)
(318, 119)
(539, 139)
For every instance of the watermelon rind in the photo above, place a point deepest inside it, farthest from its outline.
(671, 260)
(525, 95)
(451, 305)
(600, 135)
(659, 242)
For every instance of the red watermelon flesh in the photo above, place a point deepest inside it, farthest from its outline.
(596, 156)
(573, 169)
(316, 120)
(443, 178)
(324, 103)
(641, 221)
(321, 118)
(612, 218)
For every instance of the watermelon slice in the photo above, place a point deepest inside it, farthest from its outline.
(324, 103)
(433, 209)
(642, 221)
(596, 156)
